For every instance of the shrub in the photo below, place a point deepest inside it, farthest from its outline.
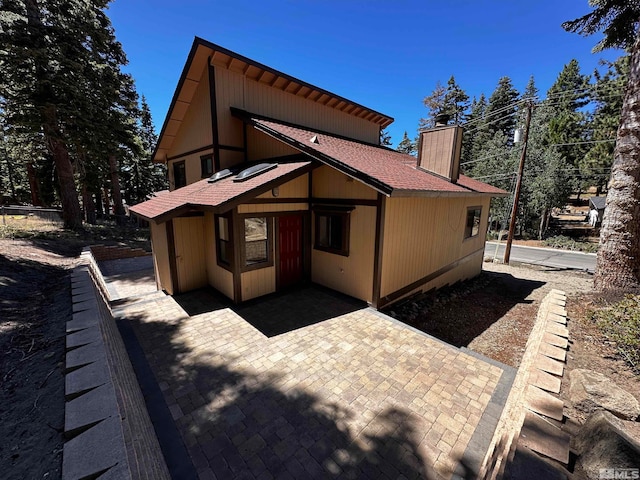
(620, 323)
(566, 243)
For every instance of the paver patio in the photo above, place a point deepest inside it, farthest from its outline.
(312, 384)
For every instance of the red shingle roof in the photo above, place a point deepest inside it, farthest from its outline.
(390, 172)
(213, 196)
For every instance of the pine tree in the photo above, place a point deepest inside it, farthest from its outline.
(456, 101)
(566, 120)
(385, 138)
(618, 263)
(435, 106)
(61, 76)
(475, 131)
(501, 109)
(406, 145)
(607, 93)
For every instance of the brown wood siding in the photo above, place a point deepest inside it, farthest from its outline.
(218, 277)
(161, 256)
(329, 183)
(195, 129)
(423, 235)
(190, 252)
(352, 275)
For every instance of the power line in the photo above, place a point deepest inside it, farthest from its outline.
(580, 143)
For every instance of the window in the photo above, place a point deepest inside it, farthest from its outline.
(257, 243)
(206, 165)
(223, 241)
(472, 227)
(179, 175)
(332, 230)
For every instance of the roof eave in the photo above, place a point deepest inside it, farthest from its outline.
(325, 159)
(198, 41)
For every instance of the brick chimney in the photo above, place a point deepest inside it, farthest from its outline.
(439, 149)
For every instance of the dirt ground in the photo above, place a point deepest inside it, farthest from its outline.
(35, 303)
(491, 314)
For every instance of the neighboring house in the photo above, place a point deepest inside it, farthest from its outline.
(275, 182)
(596, 210)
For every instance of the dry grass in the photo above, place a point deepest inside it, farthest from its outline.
(21, 226)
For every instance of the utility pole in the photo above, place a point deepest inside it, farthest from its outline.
(516, 196)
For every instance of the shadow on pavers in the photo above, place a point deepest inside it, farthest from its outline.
(276, 313)
(237, 424)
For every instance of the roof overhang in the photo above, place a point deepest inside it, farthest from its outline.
(204, 53)
(384, 170)
(219, 197)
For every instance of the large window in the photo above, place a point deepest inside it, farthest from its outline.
(179, 174)
(472, 227)
(223, 241)
(332, 229)
(257, 243)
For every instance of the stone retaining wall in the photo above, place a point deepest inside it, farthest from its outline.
(106, 420)
(550, 320)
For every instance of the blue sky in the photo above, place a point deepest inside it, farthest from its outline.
(385, 54)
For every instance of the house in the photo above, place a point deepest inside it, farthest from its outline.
(274, 181)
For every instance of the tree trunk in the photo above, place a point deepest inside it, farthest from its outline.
(89, 206)
(34, 185)
(618, 262)
(543, 224)
(71, 214)
(118, 207)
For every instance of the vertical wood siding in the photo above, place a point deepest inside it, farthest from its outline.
(423, 235)
(329, 183)
(296, 188)
(256, 283)
(161, 256)
(192, 168)
(352, 275)
(190, 252)
(271, 102)
(195, 130)
(262, 146)
(218, 277)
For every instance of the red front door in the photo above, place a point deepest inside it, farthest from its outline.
(290, 265)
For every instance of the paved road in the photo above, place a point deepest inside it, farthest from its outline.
(548, 257)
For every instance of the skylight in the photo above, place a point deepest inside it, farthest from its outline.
(220, 175)
(253, 171)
